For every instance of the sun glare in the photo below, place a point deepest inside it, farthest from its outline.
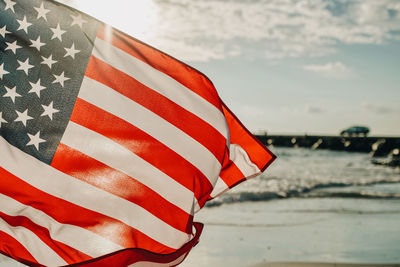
(135, 17)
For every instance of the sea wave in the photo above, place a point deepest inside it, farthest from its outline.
(315, 191)
(317, 174)
(355, 194)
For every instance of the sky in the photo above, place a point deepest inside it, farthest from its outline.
(282, 66)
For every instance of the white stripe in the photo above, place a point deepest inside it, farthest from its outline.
(219, 188)
(161, 83)
(239, 156)
(61, 185)
(36, 247)
(71, 235)
(156, 264)
(115, 103)
(118, 157)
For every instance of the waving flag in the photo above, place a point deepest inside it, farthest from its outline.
(108, 146)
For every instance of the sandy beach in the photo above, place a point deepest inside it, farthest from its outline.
(306, 264)
(300, 232)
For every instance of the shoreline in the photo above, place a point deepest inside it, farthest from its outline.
(8, 262)
(316, 264)
(300, 232)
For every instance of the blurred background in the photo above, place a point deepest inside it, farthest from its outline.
(297, 73)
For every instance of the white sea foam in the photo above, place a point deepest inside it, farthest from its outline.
(318, 173)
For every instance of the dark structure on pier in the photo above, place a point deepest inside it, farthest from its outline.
(377, 146)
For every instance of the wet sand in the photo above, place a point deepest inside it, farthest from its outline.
(301, 232)
(308, 264)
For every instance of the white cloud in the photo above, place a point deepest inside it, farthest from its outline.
(214, 29)
(332, 69)
(282, 28)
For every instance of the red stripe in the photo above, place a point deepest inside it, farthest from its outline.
(143, 145)
(67, 253)
(126, 85)
(91, 171)
(12, 248)
(258, 153)
(186, 75)
(69, 213)
(231, 174)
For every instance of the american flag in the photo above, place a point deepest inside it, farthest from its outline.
(108, 146)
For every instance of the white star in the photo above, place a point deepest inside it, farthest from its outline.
(37, 44)
(2, 71)
(49, 110)
(35, 140)
(12, 46)
(25, 66)
(42, 12)
(1, 119)
(3, 31)
(36, 88)
(60, 79)
(48, 61)
(77, 20)
(71, 51)
(23, 25)
(23, 117)
(9, 5)
(11, 93)
(57, 32)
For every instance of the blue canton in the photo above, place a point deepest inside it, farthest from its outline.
(44, 51)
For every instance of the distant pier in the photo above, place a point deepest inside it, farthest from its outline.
(377, 146)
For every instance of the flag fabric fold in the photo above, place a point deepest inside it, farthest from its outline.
(108, 146)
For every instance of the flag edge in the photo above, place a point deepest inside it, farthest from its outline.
(151, 256)
(273, 156)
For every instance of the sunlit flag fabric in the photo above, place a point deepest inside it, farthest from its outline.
(108, 146)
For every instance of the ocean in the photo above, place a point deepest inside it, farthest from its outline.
(306, 173)
(308, 206)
